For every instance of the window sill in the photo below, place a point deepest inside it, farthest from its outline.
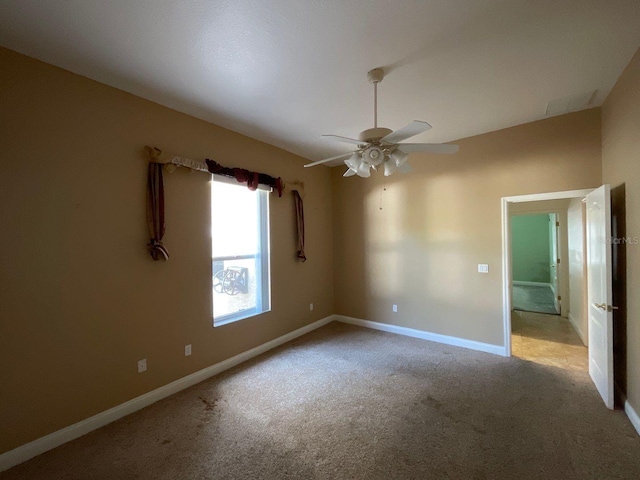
(236, 318)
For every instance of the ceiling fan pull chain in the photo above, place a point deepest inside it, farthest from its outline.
(384, 189)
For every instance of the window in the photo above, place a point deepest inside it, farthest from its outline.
(240, 251)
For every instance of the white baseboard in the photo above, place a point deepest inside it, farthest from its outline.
(578, 329)
(633, 415)
(433, 337)
(64, 435)
(532, 284)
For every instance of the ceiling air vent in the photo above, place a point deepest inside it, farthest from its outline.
(572, 103)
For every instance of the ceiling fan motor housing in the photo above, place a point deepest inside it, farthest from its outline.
(373, 135)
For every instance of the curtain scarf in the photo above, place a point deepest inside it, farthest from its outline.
(155, 212)
(300, 223)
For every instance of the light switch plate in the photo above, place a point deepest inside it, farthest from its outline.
(483, 268)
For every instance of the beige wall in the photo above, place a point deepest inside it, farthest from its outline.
(416, 240)
(621, 166)
(80, 299)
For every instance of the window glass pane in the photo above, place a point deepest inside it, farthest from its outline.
(235, 220)
(240, 250)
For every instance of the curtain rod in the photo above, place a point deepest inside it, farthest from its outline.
(171, 160)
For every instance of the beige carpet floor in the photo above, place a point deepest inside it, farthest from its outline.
(345, 402)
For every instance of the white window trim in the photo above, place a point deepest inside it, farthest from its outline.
(264, 264)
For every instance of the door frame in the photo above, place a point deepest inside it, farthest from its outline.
(506, 250)
(557, 251)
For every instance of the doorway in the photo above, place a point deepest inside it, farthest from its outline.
(542, 300)
(535, 262)
(544, 203)
(597, 303)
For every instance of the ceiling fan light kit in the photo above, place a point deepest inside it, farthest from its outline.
(380, 146)
(399, 157)
(389, 168)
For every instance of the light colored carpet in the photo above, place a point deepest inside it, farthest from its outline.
(345, 402)
(534, 298)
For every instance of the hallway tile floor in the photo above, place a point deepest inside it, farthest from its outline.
(548, 340)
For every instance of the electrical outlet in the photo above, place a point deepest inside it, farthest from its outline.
(394, 308)
(311, 306)
(142, 365)
(187, 350)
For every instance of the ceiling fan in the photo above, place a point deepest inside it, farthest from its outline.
(379, 146)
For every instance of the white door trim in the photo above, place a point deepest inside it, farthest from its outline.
(506, 249)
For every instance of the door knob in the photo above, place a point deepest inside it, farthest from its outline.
(604, 306)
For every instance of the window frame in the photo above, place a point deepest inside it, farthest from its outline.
(262, 257)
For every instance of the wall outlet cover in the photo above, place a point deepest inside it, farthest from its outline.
(142, 365)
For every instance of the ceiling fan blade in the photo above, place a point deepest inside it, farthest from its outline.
(428, 147)
(345, 139)
(414, 128)
(404, 168)
(349, 173)
(319, 162)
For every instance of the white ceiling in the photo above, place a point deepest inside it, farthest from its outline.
(286, 71)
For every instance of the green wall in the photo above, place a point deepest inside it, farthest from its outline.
(530, 248)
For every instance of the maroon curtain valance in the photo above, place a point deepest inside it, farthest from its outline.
(252, 179)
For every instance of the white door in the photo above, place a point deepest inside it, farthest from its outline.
(553, 243)
(599, 292)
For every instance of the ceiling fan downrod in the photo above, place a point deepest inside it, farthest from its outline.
(375, 76)
(375, 104)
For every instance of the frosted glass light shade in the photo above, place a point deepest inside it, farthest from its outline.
(389, 167)
(364, 170)
(353, 162)
(399, 157)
